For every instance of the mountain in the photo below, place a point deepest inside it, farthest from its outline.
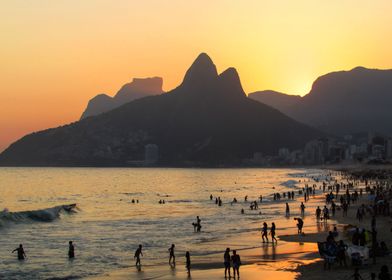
(358, 100)
(275, 99)
(344, 102)
(207, 120)
(138, 88)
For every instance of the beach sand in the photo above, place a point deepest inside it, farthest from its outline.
(294, 257)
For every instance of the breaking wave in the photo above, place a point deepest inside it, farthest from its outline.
(42, 215)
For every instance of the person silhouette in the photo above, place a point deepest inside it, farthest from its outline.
(138, 253)
(71, 250)
(272, 232)
(300, 224)
(226, 259)
(21, 253)
(264, 232)
(287, 210)
(236, 260)
(188, 262)
(171, 254)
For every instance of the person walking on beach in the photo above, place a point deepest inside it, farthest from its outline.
(138, 253)
(226, 259)
(188, 262)
(236, 263)
(264, 232)
(21, 253)
(302, 209)
(272, 232)
(318, 213)
(287, 210)
(325, 214)
(71, 250)
(171, 254)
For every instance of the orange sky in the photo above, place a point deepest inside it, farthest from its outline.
(56, 55)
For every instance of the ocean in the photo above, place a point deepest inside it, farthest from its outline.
(106, 226)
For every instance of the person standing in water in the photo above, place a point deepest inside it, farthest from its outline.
(21, 252)
(272, 232)
(264, 232)
(137, 255)
(71, 250)
(188, 262)
(226, 258)
(236, 263)
(198, 223)
(171, 254)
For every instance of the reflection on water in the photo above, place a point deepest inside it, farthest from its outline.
(109, 222)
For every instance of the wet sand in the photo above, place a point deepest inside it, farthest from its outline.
(260, 260)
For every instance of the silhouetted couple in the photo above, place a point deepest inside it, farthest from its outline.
(235, 260)
(264, 232)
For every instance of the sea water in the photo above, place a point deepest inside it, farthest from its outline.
(106, 227)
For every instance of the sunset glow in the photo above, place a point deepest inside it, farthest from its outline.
(56, 55)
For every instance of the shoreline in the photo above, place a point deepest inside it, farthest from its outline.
(264, 260)
(288, 265)
(314, 271)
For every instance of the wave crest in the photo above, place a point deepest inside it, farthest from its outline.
(41, 215)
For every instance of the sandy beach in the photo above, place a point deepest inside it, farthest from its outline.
(293, 257)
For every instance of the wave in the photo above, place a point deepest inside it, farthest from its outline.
(42, 215)
(290, 184)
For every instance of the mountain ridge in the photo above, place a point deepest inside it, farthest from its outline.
(206, 121)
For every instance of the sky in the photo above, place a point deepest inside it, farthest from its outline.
(56, 55)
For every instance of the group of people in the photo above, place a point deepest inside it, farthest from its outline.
(21, 254)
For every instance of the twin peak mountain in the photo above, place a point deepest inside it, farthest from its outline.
(207, 121)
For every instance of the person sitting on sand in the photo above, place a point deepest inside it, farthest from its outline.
(71, 250)
(137, 255)
(236, 263)
(21, 252)
(188, 262)
(171, 254)
(226, 259)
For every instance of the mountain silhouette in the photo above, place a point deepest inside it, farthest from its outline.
(355, 101)
(207, 120)
(275, 99)
(138, 88)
